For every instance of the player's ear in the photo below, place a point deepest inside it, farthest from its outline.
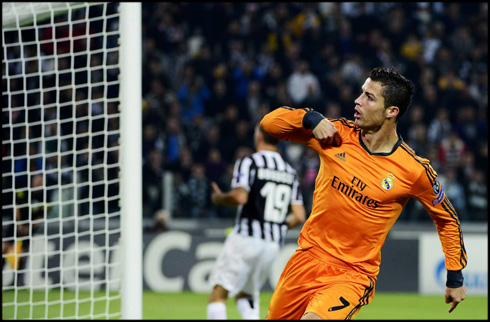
(392, 112)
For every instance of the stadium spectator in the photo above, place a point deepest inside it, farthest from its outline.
(408, 127)
(158, 98)
(451, 150)
(481, 158)
(215, 166)
(160, 221)
(151, 140)
(174, 141)
(303, 85)
(351, 70)
(430, 98)
(345, 97)
(265, 190)
(469, 127)
(243, 75)
(455, 192)
(253, 101)
(272, 79)
(180, 194)
(477, 193)
(203, 62)
(185, 163)
(193, 97)
(281, 95)
(196, 136)
(240, 137)
(29, 160)
(29, 213)
(439, 127)
(417, 139)
(152, 176)
(199, 192)
(219, 100)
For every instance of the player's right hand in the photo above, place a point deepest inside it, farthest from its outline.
(216, 192)
(455, 296)
(326, 133)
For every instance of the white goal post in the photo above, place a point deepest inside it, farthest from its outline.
(71, 160)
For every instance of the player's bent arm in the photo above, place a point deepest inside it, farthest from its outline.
(297, 215)
(235, 197)
(305, 126)
(286, 123)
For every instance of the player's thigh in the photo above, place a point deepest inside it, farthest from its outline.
(262, 267)
(234, 264)
(308, 284)
(340, 301)
(294, 288)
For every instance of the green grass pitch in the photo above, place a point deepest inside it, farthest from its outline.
(192, 306)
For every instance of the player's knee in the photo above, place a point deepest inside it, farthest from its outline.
(218, 294)
(243, 295)
(310, 316)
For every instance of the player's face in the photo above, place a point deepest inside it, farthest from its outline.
(369, 110)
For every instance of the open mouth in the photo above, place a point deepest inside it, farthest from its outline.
(356, 114)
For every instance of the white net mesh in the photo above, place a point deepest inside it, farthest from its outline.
(60, 161)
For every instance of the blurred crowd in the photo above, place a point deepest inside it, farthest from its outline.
(212, 70)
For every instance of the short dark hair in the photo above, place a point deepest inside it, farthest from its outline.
(397, 90)
(267, 137)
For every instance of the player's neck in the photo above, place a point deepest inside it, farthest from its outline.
(266, 147)
(381, 140)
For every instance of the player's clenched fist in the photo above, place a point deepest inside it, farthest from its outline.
(326, 133)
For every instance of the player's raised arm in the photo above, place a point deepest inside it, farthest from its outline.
(305, 126)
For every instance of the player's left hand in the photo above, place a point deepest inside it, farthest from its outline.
(455, 296)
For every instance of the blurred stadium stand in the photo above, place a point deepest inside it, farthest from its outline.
(212, 70)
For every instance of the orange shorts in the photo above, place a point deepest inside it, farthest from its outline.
(330, 290)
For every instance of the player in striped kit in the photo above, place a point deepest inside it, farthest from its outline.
(266, 191)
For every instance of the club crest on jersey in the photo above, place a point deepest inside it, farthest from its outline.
(388, 182)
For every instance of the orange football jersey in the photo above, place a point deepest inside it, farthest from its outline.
(359, 195)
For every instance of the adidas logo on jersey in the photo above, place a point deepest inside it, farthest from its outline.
(340, 156)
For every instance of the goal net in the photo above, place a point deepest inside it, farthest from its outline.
(63, 237)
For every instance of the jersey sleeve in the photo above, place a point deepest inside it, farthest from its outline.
(430, 193)
(286, 123)
(241, 173)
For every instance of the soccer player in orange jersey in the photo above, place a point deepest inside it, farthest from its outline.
(366, 176)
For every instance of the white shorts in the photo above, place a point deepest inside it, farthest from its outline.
(243, 264)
